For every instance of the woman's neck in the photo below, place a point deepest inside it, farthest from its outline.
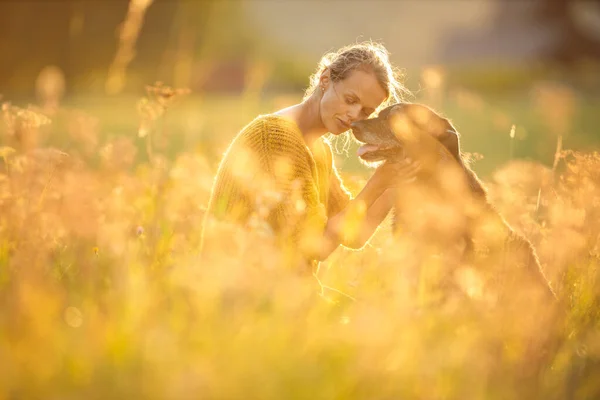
(307, 116)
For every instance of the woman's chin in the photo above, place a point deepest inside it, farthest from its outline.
(337, 131)
(335, 128)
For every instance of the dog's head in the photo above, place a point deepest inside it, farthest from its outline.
(406, 130)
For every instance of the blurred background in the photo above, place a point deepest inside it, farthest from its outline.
(507, 73)
(102, 292)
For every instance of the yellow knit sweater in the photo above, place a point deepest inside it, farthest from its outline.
(269, 174)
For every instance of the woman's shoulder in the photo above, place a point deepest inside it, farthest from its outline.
(273, 130)
(273, 123)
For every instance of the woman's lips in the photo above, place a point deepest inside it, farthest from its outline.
(344, 124)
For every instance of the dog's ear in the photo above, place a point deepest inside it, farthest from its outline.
(451, 142)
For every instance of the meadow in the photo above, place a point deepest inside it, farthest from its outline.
(103, 293)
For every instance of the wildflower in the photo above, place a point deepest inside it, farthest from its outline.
(96, 250)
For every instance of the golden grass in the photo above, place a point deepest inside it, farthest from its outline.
(103, 294)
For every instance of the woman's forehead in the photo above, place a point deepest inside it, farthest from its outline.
(366, 86)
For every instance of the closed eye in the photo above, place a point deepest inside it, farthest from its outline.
(351, 100)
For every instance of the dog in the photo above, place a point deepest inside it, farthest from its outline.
(445, 185)
(416, 133)
(446, 210)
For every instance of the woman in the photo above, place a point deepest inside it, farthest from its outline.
(279, 169)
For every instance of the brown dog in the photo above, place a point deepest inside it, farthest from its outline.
(445, 210)
(447, 204)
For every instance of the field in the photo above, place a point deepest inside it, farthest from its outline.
(103, 294)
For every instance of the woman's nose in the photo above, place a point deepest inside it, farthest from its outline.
(353, 113)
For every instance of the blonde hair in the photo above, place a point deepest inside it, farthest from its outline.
(366, 56)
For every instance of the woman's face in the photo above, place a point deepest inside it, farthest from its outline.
(352, 99)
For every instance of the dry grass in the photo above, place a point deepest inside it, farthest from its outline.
(103, 295)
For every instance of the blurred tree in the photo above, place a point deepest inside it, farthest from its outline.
(76, 36)
(578, 24)
(178, 41)
(206, 44)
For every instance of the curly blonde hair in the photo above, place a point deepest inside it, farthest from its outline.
(366, 56)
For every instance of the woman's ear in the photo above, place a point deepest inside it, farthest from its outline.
(324, 79)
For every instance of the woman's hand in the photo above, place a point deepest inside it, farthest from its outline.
(354, 226)
(392, 175)
(388, 175)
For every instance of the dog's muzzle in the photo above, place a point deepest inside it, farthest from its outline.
(376, 145)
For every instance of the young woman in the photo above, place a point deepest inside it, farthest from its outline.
(279, 169)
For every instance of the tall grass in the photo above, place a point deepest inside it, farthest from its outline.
(103, 294)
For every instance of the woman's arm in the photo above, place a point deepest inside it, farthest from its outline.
(355, 225)
(301, 218)
(365, 226)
